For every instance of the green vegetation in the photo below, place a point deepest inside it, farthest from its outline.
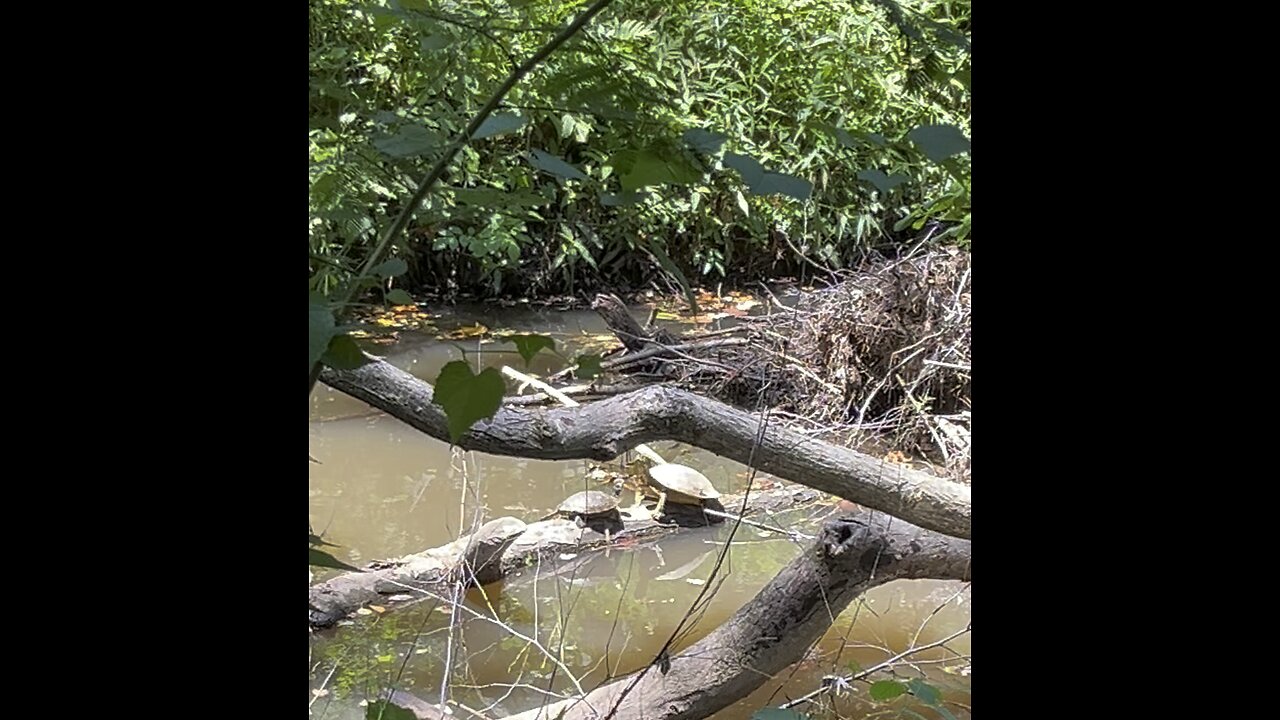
(702, 141)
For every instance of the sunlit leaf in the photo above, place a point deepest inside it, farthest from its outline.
(396, 296)
(705, 141)
(467, 398)
(939, 142)
(554, 165)
(408, 141)
(320, 558)
(588, 366)
(529, 345)
(344, 354)
(499, 123)
(390, 268)
(320, 329)
(742, 203)
(883, 183)
(886, 690)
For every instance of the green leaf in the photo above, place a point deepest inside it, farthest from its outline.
(497, 124)
(344, 354)
(742, 203)
(409, 141)
(883, 183)
(396, 296)
(674, 271)
(886, 690)
(435, 42)
(383, 710)
(466, 398)
(554, 165)
(705, 141)
(588, 366)
(649, 169)
(529, 345)
(939, 142)
(320, 558)
(621, 199)
(782, 184)
(927, 693)
(313, 539)
(750, 170)
(390, 268)
(319, 329)
(778, 714)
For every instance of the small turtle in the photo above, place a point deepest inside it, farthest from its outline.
(679, 483)
(590, 506)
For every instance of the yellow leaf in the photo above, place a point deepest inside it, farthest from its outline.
(377, 608)
(364, 611)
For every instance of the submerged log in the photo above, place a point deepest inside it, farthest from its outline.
(505, 546)
(604, 430)
(853, 554)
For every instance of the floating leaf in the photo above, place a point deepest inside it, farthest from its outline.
(390, 268)
(320, 329)
(497, 124)
(399, 297)
(748, 167)
(344, 354)
(927, 693)
(939, 142)
(409, 141)
(588, 366)
(529, 345)
(705, 141)
(782, 184)
(886, 690)
(554, 165)
(320, 558)
(883, 183)
(467, 398)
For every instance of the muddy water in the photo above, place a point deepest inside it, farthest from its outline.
(384, 490)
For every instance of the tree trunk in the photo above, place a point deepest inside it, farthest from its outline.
(604, 430)
(774, 630)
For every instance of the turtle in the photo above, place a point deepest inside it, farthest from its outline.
(678, 483)
(588, 506)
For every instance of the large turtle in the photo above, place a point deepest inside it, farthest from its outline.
(590, 507)
(679, 484)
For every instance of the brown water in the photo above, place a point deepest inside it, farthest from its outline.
(385, 490)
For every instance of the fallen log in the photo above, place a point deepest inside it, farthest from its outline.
(504, 546)
(605, 429)
(853, 554)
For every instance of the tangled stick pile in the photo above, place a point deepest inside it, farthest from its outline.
(886, 350)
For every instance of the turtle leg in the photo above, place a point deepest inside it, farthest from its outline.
(662, 502)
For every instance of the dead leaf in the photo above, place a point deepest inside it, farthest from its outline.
(377, 608)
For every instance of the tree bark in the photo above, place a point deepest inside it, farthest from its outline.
(774, 630)
(604, 430)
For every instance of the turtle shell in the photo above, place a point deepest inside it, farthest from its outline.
(588, 503)
(684, 480)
